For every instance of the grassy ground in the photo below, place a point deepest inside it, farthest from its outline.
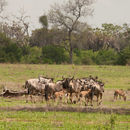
(23, 120)
(107, 101)
(14, 76)
(17, 74)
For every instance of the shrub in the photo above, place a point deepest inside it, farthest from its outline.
(12, 53)
(84, 57)
(124, 56)
(32, 56)
(54, 54)
(106, 57)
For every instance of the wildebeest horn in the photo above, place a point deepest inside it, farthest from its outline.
(96, 77)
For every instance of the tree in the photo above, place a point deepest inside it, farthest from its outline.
(68, 15)
(44, 21)
(17, 29)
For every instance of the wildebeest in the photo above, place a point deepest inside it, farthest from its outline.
(120, 93)
(72, 86)
(96, 86)
(77, 85)
(36, 86)
(51, 88)
(60, 95)
(87, 95)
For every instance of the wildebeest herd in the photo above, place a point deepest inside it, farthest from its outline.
(80, 89)
(68, 90)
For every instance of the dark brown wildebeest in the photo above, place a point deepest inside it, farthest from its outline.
(120, 93)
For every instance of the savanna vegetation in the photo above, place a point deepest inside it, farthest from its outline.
(13, 77)
(25, 120)
(63, 38)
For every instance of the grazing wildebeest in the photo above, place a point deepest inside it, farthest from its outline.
(120, 93)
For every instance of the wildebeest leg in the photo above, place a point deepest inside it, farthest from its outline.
(32, 99)
(97, 99)
(41, 96)
(26, 96)
(87, 100)
(115, 96)
(46, 95)
(91, 98)
(120, 97)
(100, 99)
(70, 98)
(60, 99)
(91, 101)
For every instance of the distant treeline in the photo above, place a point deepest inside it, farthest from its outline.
(109, 45)
(51, 54)
(63, 38)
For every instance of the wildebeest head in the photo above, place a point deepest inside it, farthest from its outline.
(66, 82)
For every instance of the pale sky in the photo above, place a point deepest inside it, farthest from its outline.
(105, 11)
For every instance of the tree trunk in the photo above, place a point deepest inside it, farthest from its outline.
(71, 54)
(71, 48)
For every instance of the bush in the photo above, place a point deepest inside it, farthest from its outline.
(84, 57)
(54, 54)
(4, 40)
(12, 53)
(106, 57)
(32, 55)
(2, 54)
(124, 56)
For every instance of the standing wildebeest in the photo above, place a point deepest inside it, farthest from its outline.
(87, 95)
(59, 95)
(51, 88)
(36, 86)
(120, 93)
(72, 85)
(97, 87)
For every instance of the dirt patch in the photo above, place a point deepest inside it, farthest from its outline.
(69, 109)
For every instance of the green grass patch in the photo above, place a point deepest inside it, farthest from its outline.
(24, 120)
(113, 76)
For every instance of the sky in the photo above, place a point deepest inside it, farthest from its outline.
(105, 11)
